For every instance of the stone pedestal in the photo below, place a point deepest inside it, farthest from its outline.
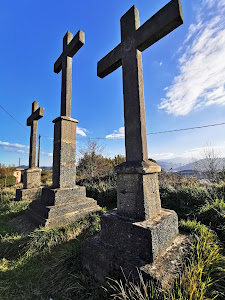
(64, 202)
(31, 185)
(64, 152)
(138, 190)
(32, 178)
(138, 232)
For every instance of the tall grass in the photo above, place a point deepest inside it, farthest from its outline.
(46, 263)
(202, 278)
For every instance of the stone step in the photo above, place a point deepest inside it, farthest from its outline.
(57, 210)
(34, 218)
(70, 217)
(52, 196)
(28, 194)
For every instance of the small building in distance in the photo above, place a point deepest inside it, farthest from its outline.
(18, 174)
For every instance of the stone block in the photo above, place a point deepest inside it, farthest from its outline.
(64, 153)
(138, 190)
(147, 238)
(51, 196)
(28, 194)
(107, 261)
(32, 178)
(126, 244)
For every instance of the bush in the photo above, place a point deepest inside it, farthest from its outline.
(102, 189)
(10, 181)
(185, 200)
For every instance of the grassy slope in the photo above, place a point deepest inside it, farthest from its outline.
(46, 263)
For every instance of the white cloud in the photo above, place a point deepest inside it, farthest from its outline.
(160, 63)
(201, 79)
(160, 156)
(81, 131)
(47, 154)
(199, 152)
(14, 147)
(117, 134)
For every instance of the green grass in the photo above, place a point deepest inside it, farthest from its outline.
(46, 263)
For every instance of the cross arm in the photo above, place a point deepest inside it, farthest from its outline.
(76, 43)
(58, 65)
(163, 22)
(38, 114)
(72, 48)
(110, 62)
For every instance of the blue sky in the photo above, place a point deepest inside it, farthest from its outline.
(184, 76)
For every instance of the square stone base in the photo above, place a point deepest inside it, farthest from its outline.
(105, 261)
(128, 244)
(32, 178)
(28, 194)
(58, 207)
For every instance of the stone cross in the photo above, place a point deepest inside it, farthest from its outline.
(64, 62)
(134, 40)
(36, 114)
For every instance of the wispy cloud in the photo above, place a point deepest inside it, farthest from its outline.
(14, 147)
(162, 156)
(201, 79)
(47, 154)
(117, 134)
(81, 131)
(198, 153)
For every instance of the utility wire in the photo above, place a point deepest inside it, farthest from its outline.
(104, 138)
(190, 128)
(166, 131)
(13, 118)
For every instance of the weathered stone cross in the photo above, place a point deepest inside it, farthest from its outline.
(134, 40)
(36, 114)
(64, 62)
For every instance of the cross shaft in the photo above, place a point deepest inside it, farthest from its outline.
(36, 114)
(134, 40)
(64, 62)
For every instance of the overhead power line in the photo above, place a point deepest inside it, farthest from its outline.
(13, 118)
(166, 131)
(104, 138)
(190, 128)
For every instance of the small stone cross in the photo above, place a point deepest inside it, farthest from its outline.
(64, 62)
(36, 114)
(134, 40)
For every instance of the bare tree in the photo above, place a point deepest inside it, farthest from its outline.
(209, 163)
(93, 163)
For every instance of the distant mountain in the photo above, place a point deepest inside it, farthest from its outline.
(178, 165)
(173, 163)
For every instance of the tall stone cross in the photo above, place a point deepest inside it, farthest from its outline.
(64, 62)
(134, 40)
(64, 151)
(36, 114)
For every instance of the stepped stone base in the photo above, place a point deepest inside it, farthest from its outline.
(131, 245)
(58, 207)
(28, 194)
